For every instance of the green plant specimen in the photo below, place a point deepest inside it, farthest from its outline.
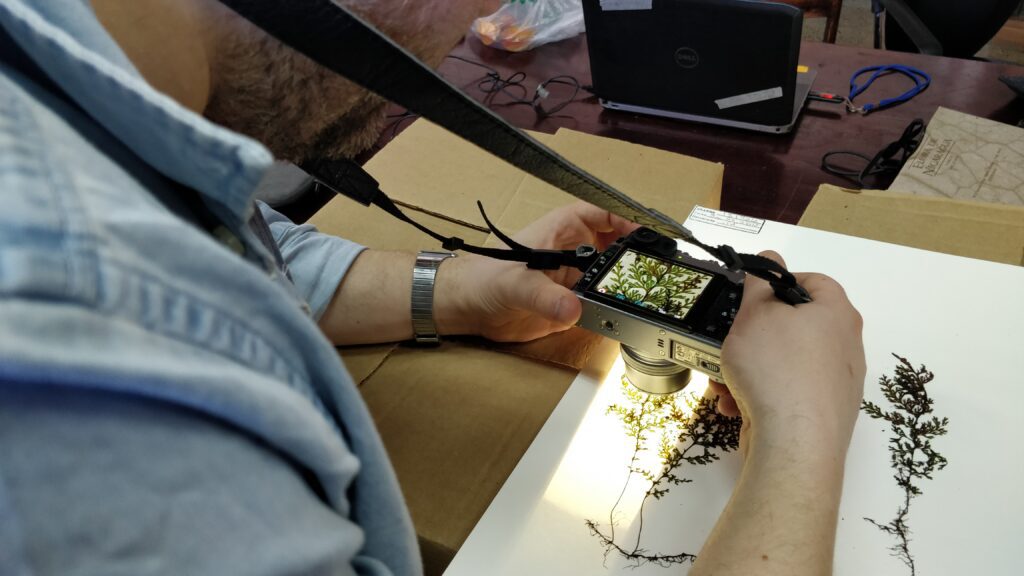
(694, 439)
(910, 447)
(654, 284)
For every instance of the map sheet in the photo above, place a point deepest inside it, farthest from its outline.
(967, 158)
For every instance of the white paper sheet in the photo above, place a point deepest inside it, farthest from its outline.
(962, 318)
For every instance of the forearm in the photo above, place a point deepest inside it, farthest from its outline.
(500, 300)
(373, 303)
(781, 518)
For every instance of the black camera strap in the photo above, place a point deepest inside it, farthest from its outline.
(348, 179)
(342, 42)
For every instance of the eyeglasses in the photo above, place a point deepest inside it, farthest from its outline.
(858, 168)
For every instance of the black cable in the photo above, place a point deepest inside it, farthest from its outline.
(513, 87)
(888, 160)
(493, 83)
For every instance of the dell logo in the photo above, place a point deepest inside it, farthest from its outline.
(687, 57)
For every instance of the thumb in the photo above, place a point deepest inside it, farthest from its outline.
(547, 299)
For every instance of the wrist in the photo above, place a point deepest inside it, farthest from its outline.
(798, 441)
(424, 292)
(452, 299)
(813, 470)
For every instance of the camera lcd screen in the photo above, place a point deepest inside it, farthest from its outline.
(658, 285)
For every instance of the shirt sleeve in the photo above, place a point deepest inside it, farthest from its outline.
(131, 485)
(317, 261)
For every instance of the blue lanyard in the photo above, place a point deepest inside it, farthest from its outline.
(921, 81)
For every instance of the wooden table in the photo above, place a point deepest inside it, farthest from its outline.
(767, 176)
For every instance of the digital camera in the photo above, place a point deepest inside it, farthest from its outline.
(671, 312)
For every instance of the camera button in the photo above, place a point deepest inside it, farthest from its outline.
(710, 367)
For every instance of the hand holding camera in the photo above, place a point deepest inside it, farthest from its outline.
(796, 372)
(672, 313)
(508, 302)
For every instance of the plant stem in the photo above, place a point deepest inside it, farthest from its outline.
(636, 450)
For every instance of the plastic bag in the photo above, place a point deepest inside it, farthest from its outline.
(522, 24)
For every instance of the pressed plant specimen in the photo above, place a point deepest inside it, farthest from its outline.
(910, 447)
(654, 284)
(696, 438)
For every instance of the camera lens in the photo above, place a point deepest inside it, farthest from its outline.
(652, 374)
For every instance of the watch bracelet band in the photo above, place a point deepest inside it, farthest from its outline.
(423, 274)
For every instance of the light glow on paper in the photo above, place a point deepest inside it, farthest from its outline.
(600, 438)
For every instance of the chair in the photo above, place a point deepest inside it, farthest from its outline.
(829, 9)
(957, 28)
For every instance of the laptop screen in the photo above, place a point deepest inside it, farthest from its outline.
(730, 59)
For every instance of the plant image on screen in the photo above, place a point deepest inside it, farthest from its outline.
(658, 422)
(654, 284)
(910, 447)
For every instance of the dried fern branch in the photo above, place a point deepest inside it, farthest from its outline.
(910, 447)
(696, 440)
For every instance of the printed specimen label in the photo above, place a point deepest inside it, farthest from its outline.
(726, 220)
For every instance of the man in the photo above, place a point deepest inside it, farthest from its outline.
(168, 401)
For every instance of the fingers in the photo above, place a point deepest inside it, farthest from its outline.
(727, 406)
(621, 226)
(824, 291)
(603, 227)
(593, 217)
(819, 286)
(574, 224)
(600, 220)
(538, 294)
(757, 291)
(773, 255)
(726, 403)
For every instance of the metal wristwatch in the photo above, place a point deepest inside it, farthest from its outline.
(423, 273)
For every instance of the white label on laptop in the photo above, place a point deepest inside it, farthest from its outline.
(626, 4)
(726, 220)
(749, 98)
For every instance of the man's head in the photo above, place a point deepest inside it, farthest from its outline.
(255, 85)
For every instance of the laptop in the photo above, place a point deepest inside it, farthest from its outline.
(726, 62)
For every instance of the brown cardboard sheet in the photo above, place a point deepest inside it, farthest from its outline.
(671, 182)
(454, 440)
(427, 167)
(456, 419)
(965, 228)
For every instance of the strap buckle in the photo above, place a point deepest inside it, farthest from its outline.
(851, 108)
(728, 255)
